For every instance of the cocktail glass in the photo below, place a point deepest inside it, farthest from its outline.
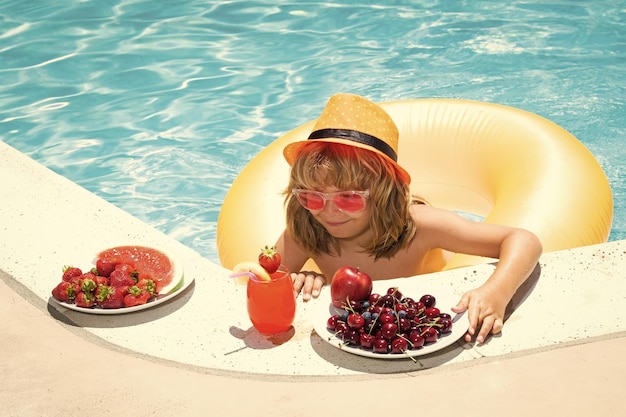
(272, 304)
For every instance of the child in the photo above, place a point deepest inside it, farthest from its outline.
(349, 204)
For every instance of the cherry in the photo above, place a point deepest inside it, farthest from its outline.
(331, 323)
(367, 341)
(401, 307)
(446, 325)
(428, 300)
(387, 300)
(352, 337)
(355, 306)
(395, 293)
(404, 324)
(373, 299)
(416, 339)
(420, 307)
(387, 318)
(381, 346)
(430, 335)
(387, 310)
(408, 301)
(356, 321)
(389, 330)
(399, 345)
(411, 312)
(432, 312)
(373, 326)
(341, 327)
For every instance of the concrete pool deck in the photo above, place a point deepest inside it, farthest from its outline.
(561, 351)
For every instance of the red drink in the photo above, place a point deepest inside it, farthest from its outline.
(272, 304)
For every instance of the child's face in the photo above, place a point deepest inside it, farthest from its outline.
(342, 224)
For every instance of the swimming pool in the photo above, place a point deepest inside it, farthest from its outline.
(156, 109)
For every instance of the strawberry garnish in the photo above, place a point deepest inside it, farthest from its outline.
(269, 259)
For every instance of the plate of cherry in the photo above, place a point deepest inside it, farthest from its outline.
(393, 322)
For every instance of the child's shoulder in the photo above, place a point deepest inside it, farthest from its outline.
(424, 209)
(425, 214)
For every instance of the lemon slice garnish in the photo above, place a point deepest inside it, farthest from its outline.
(251, 267)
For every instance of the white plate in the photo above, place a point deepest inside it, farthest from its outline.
(409, 288)
(178, 285)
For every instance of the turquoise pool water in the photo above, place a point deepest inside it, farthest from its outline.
(157, 106)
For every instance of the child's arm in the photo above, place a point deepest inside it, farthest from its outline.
(518, 251)
(293, 257)
(486, 305)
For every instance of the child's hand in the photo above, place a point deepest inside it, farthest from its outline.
(310, 283)
(486, 312)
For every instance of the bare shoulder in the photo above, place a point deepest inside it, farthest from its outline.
(428, 220)
(424, 215)
(437, 227)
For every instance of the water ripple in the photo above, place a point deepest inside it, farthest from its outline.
(157, 109)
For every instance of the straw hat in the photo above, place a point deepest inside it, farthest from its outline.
(355, 121)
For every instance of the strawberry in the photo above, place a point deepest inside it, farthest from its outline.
(136, 296)
(147, 285)
(85, 299)
(88, 285)
(105, 267)
(100, 280)
(121, 278)
(85, 279)
(269, 259)
(71, 271)
(65, 291)
(110, 297)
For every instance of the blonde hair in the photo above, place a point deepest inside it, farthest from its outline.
(321, 164)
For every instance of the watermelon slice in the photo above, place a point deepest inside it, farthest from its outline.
(149, 262)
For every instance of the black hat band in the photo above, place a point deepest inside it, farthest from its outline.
(358, 137)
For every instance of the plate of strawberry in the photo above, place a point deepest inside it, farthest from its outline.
(121, 280)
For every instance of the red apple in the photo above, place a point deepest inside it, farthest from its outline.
(350, 282)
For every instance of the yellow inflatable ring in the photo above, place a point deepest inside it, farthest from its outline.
(505, 165)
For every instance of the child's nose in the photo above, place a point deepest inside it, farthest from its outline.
(330, 206)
